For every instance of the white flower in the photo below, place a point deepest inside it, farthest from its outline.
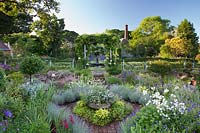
(144, 92)
(173, 96)
(53, 75)
(176, 88)
(166, 91)
(79, 58)
(153, 88)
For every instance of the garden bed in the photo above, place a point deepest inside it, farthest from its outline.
(112, 127)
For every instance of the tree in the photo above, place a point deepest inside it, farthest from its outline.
(18, 14)
(151, 33)
(50, 29)
(23, 44)
(31, 65)
(186, 31)
(176, 47)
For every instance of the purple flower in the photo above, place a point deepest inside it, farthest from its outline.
(1, 124)
(8, 113)
(4, 129)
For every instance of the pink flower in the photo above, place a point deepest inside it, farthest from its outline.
(71, 119)
(65, 124)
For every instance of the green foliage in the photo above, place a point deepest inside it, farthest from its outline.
(14, 103)
(129, 94)
(57, 115)
(2, 80)
(84, 72)
(52, 33)
(114, 69)
(31, 65)
(17, 16)
(150, 35)
(121, 90)
(176, 47)
(113, 80)
(64, 97)
(120, 109)
(99, 95)
(160, 67)
(147, 118)
(186, 31)
(101, 116)
(16, 78)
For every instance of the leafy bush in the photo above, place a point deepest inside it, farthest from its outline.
(120, 110)
(113, 80)
(16, 78)
(83, 72)
(120, 90)
(147, 118)
(62, 98)
(114, 69)
(2, 80)
(99, 95)
(103, 116)
(31, 65)
(32, 88)
(161, 67)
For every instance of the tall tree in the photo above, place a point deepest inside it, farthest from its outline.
(16, 15)
(175, 47)
(186, 31)
(151, 33)
(50, 30)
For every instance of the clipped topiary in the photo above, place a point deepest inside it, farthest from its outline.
(31, 65)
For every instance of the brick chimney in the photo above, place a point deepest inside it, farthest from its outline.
(126, 32)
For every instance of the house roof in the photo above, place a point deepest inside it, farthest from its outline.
(4, 47)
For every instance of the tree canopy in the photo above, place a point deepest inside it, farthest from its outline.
(151, 34)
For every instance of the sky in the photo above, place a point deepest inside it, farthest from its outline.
(95, 16)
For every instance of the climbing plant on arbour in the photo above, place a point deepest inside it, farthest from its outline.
(90, 43)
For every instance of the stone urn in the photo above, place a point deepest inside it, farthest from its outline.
(98, 106)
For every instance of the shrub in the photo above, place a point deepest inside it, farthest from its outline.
(113, 80)
(99, 96)
(120, 90)
(102, 117)
(114, 69)
(134, 96)
(2, 80)
(147, 118)
(16, 78)
(120, 110)
(32, 88)
(31, 65)
(160, 67)
(66, 96)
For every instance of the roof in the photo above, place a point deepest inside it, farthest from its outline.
(4, 47)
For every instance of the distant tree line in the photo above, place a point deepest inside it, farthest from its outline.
(31, 27)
